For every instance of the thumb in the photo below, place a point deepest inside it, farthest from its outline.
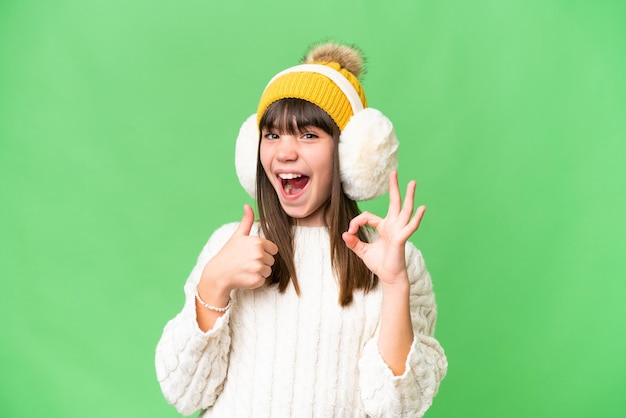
(246, 222)
(353, 243)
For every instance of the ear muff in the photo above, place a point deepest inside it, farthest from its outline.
(368, 152)
(246, 155)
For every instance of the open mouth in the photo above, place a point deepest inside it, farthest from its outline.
(293, 183)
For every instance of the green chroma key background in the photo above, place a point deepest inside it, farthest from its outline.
(117, 129)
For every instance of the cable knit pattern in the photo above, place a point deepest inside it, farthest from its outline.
(279, 355)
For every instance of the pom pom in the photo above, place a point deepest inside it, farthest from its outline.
(349, 57)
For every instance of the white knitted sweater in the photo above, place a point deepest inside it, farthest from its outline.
(283, 355)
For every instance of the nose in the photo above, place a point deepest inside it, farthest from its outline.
(287, 148)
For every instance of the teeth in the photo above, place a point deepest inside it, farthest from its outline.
(289, 176)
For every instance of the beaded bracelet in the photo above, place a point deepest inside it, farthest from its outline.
(211, 307)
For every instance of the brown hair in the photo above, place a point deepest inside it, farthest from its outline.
(292, 116)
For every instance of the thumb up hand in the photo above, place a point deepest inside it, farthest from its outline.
(244, 262)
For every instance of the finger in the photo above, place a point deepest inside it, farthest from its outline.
(353, 243)
(417, 219)
(363, 219)
(394, 193)
(266, 271)
(409, 201)
(246, 222)
(269, 247)
(268, 260)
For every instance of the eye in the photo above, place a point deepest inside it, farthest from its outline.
(310, 135)
(270, 135)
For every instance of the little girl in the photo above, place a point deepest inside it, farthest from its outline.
(316, 310)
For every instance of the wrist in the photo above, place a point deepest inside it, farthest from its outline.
(219, 309)
(396, 292)
(395, 283)
(213, 292)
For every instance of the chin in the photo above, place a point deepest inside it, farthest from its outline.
(306, 219)
(296, 215)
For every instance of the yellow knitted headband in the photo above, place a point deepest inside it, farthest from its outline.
(327, 85)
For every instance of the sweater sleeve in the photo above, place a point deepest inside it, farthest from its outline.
(191, 365)
(411, 394)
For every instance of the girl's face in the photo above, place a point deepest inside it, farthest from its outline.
(300, 168)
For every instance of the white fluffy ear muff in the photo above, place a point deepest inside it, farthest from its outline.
(246, 151)
(368, 152)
